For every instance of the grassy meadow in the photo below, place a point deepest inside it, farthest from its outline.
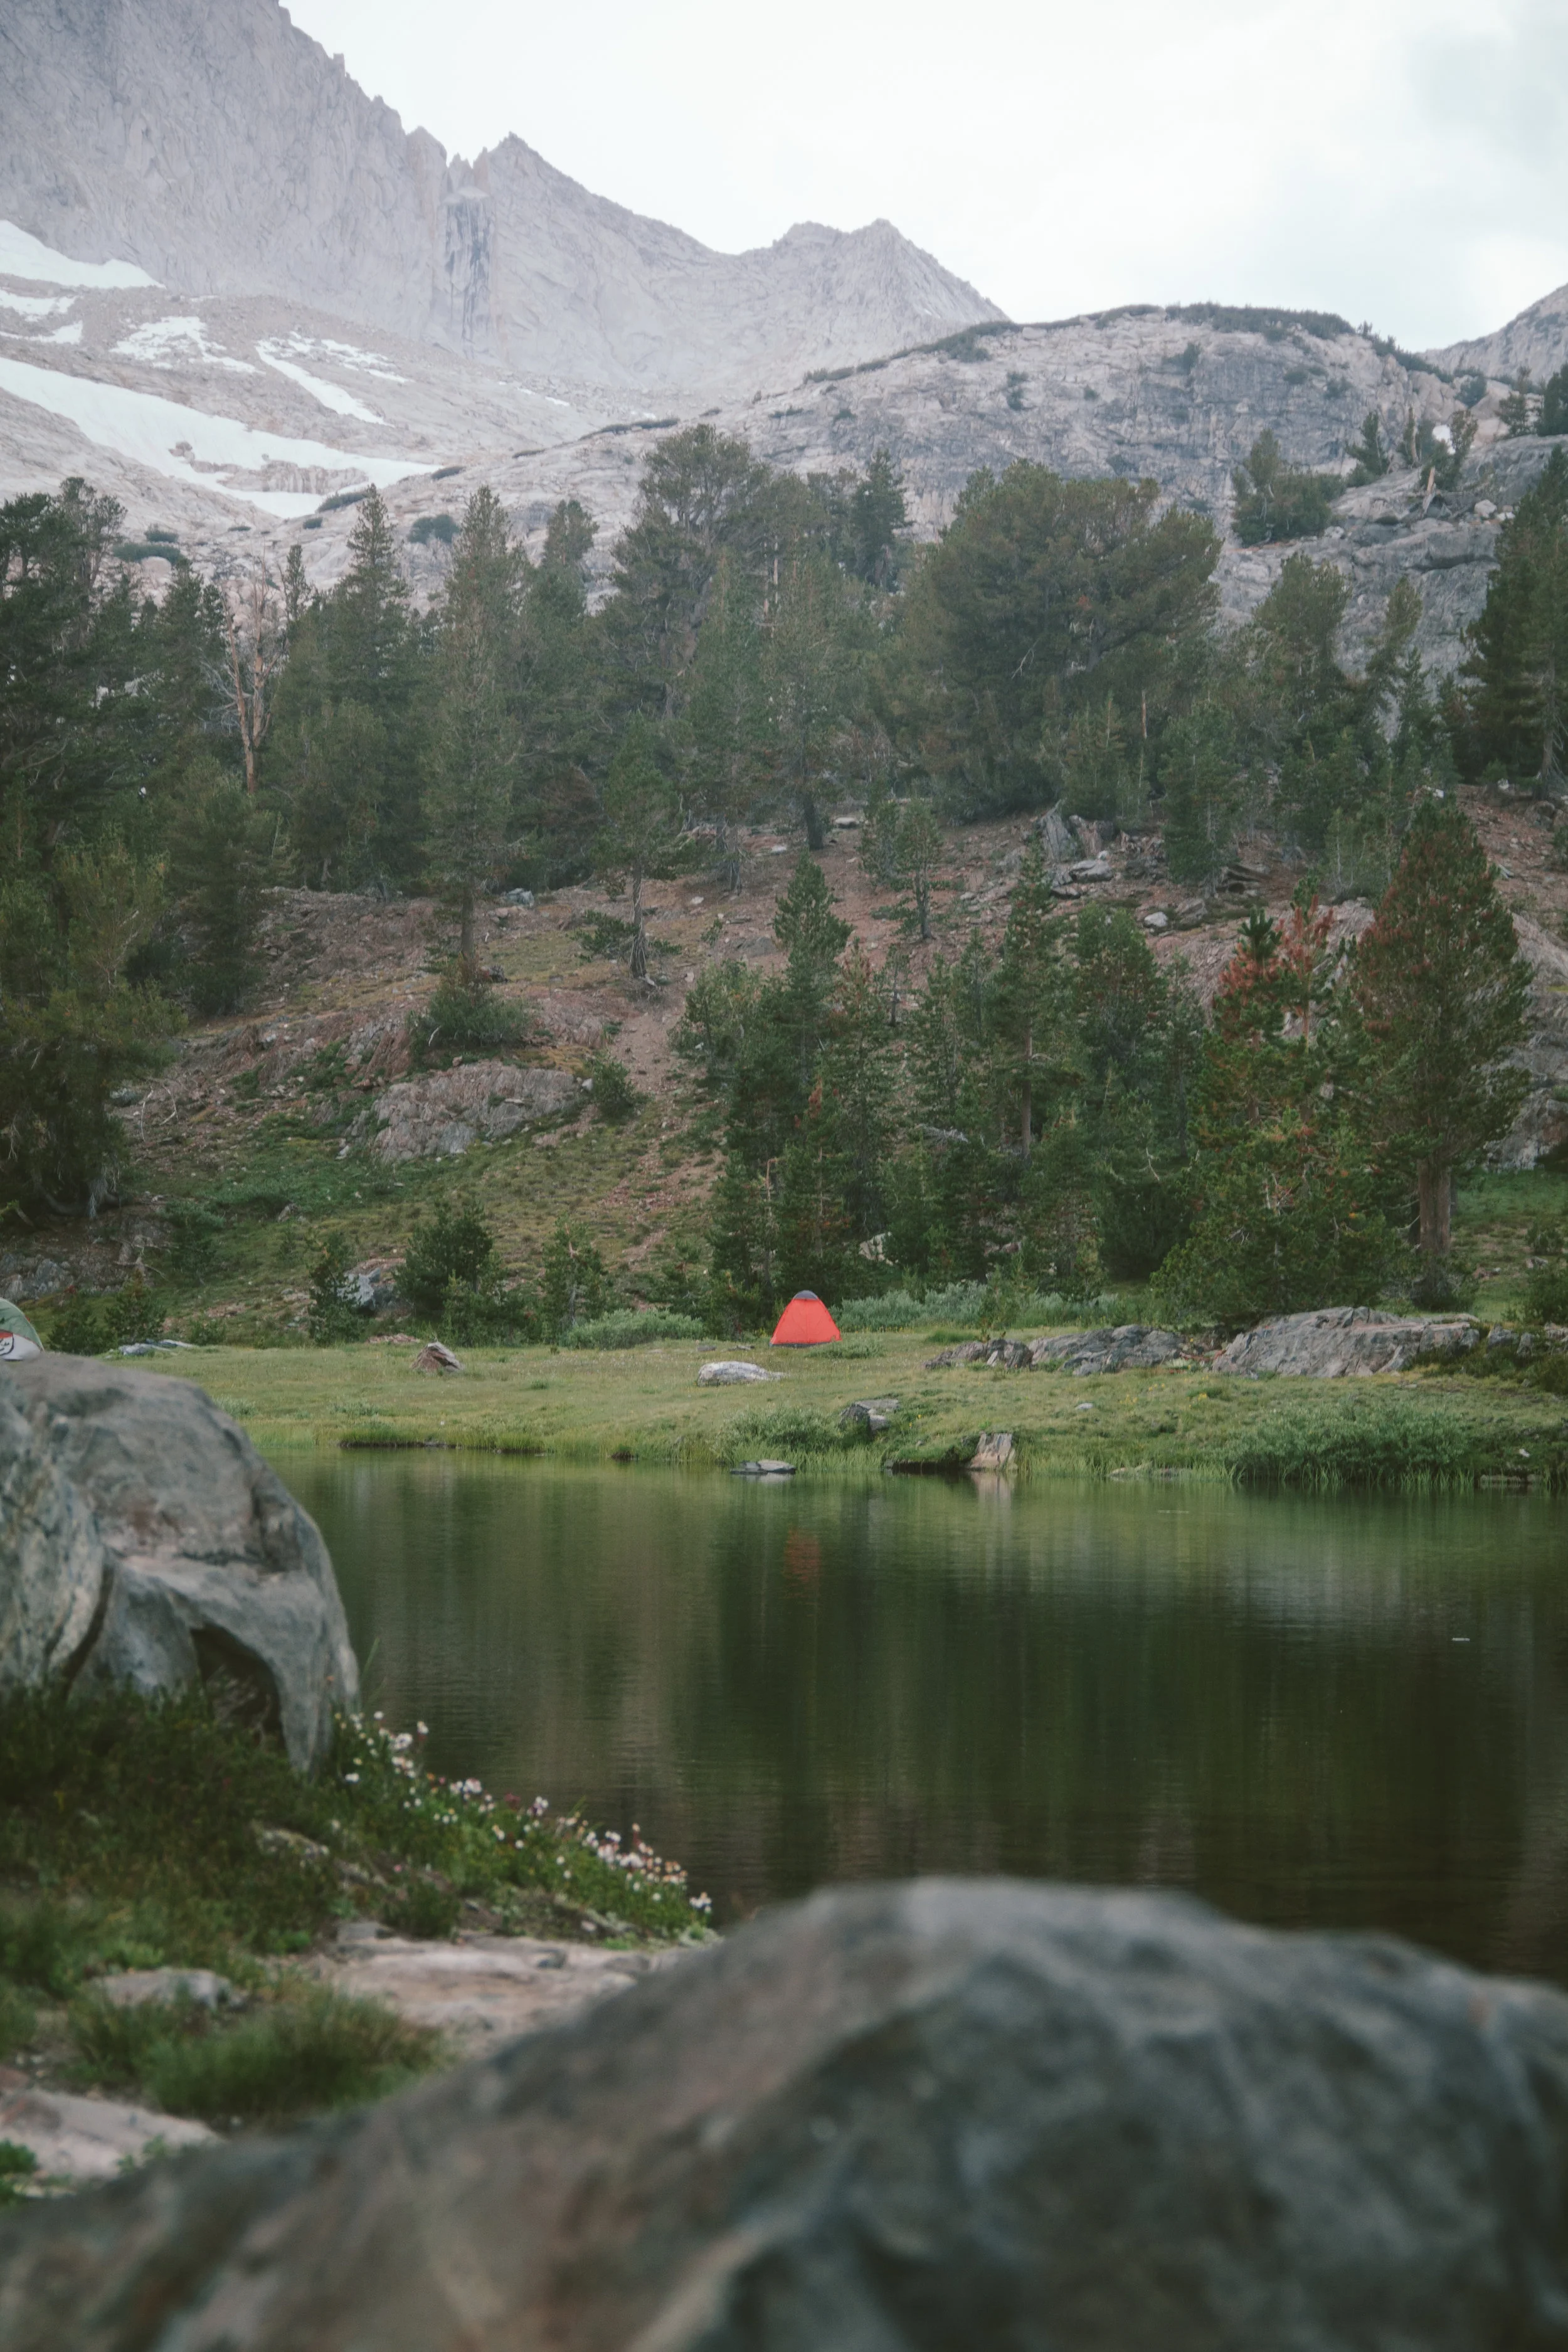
(643, 1405)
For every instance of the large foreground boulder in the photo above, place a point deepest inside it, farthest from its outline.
(145, 1541)
(954, 2116)
(1338, 1342)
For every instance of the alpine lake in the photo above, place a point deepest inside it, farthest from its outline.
(1347, 1712)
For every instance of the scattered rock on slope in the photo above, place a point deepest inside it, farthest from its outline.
(1126, 1347)
(154, 1545)
(1333, 1342)
(929, 2116)
(444, 1114)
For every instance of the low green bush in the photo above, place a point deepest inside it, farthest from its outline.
(91, 1327)
(334, 1313)
(902, 1310)
(479, 1314)
(423, 1908)
(307, 2050)
(974, 1306)
(615, 1097)
(1384, 1441)
(785, 1434)
(1442, 1287)
(466, 1018)
(16, 2165)
(629, 1326)
(195, 1234)
(1546, 1292)
(454, 1246)
(895, 1310)
(18, 2020)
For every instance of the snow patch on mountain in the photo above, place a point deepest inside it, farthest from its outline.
(35, 305)
(268, 470)
(165, 342)
(30, 258)
(347, 355)
(330, 395)
(71, 334)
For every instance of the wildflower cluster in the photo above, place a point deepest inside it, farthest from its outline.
(484, 1843)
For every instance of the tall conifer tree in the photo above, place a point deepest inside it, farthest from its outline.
(468, 802)
(1443, 987)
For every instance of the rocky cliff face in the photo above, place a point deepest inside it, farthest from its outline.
(225, 153)
(1536, 340)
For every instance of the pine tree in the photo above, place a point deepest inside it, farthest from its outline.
(347, 751)
(812, 938)
(917, 854)
(1288, 1200)
(223, 856)
(702, 495)
(642, 835)
(725, 718)
(468, 803)
(1553, 418)
(1276, 501)
(566, 734)
(810, 676)
(878, 519)
(858, 1083)
(1206, 789)
(1517, 408)
(1042, 597)
(1516, 696)
(1442, 987)
(1371, 456)
(1035, 1050)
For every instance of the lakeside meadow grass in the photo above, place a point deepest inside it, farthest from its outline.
(643, 1405)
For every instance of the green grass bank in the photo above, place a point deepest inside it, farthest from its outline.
(643, 1405)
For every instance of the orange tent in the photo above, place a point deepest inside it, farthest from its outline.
(805, 1323)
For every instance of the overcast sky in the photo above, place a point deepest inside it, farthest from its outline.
(1400, 161)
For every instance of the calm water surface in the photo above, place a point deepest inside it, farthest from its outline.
(1345, 1713)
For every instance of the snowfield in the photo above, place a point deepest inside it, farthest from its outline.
(349, 355)
(186, 444)
(35, 305)
(330, 395)
(164, 343)
(21, 256)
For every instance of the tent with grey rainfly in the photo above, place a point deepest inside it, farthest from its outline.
(17, 1337)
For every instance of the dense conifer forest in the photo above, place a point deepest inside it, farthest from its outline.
(1043, 1109)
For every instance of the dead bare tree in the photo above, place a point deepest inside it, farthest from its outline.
(257, 642)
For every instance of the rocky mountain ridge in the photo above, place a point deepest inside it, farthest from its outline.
(223, 152)
(1537, 340)
(234, 292)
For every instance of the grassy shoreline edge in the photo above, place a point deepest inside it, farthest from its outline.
(643, 1407)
